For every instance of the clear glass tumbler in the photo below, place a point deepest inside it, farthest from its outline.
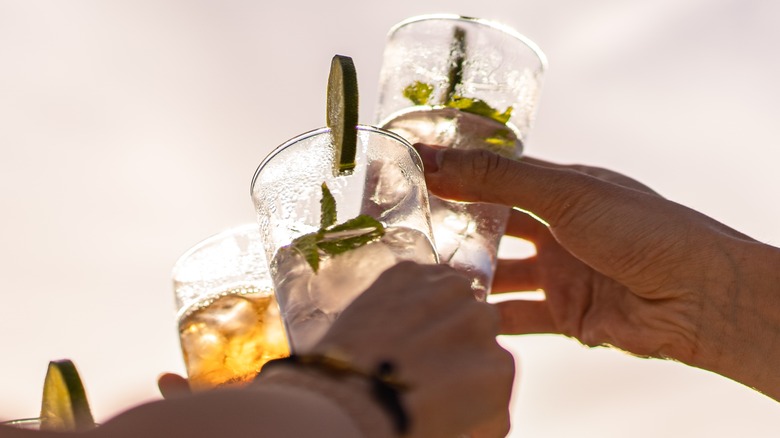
(229, 322)
(463, 83)
(329, 235)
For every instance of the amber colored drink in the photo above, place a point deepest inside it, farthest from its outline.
(228, 339)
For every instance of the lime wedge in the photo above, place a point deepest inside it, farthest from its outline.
(343, 111)
(64, 407)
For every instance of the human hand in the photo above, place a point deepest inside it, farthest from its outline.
(618, 264)
(442, 343)
(441, 340)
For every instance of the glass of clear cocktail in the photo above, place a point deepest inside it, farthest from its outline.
(328, 234)
(229, 322)
(462, 83)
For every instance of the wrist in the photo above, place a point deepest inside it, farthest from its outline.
(351, 394)
(740, 326)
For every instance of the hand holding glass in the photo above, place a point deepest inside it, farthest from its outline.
(229, 321)
(463, 83)
(328, 235)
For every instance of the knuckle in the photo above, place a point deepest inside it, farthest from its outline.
(566, 206)
(485, 163)
(483, 319)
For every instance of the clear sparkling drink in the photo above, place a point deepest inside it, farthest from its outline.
(227, 339)
(466, 234)
(310, 301)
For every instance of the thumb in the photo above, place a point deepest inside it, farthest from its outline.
(619, 231)
(482, 176)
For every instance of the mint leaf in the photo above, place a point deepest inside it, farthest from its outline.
(306, 245)
(328, 212)
(362, 222)
(336, 239)
(480, 108)
(419, 93)
(350, 235)
(502, 138)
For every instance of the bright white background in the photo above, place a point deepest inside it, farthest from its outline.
(129, 130)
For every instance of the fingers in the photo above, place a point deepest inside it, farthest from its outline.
(173, 385)
(481, 176)
(472, 322)
(407, 298)
(516, 275)
(496, 427)
(597, 172)
(525, 317)
(427, 285)
(525, 226)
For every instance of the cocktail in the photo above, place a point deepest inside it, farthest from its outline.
(329, 232)
(229, 322)
(462, 83)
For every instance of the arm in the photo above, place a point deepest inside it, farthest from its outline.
(622, 266)
(422, 319)
(265, 410)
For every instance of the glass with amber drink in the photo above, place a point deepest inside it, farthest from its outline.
(229, 322)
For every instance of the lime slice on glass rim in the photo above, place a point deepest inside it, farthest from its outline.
(342, 111)
(64, 407)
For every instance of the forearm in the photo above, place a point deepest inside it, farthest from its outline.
(739, 334)
(267, 410)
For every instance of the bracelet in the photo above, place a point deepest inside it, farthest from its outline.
(385, 387)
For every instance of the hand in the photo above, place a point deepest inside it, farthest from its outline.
(442, 342)
(619, 264)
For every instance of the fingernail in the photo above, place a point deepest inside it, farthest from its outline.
(431, 157)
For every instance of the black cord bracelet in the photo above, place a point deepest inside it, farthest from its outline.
(385, 388)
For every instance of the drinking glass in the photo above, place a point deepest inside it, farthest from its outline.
(463, 83)
(321, 260)
(24, 423)
(229, 322)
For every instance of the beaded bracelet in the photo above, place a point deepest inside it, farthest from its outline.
(385, 387)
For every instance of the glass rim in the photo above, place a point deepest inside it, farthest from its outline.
(323, 130)
(27, 421)
(414, 108)
(234, 230)
(480, 21)
(31, 420)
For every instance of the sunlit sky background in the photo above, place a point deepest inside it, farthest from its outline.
(129, 130)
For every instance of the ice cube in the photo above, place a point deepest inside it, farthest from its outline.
(203, 343)
(385, 189)
(233, 315)
(343, 277)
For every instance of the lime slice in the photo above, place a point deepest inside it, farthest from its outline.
(65, 407)
(343, 111)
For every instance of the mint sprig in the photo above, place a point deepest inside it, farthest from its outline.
(420, 93)
(332, 239)
(480, 108)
